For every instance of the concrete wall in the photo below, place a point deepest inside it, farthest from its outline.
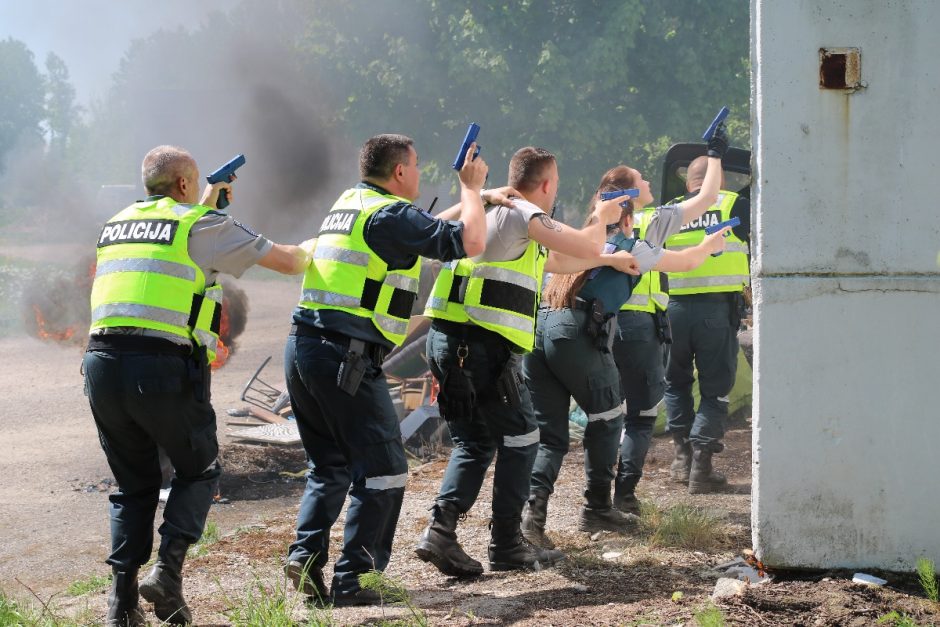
(846, 285)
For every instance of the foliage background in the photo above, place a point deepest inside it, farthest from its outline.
(298, 85)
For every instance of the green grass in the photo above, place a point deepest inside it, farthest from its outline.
(15, 613)
(273, 605)
(710, 616)
(92, 583)
(927, 575)
(896, 619)
(681, 526)
(393, 592)
(210, 535)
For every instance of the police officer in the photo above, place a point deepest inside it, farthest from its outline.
(573, 358)
(705, 311)
(355, 304)
(641, 350)
(483, 320)
(154, 330)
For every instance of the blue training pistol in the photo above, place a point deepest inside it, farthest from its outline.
(714, 125)
(472, 131)
(225, 173)
(733, 222)
(633, 192)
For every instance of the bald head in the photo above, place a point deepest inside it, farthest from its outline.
(163, 167)
(696, 174)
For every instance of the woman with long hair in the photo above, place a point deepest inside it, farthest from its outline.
(573, 354)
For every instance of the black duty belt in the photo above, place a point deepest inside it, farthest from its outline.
(376, 352)
(113, 342)
(469, 332)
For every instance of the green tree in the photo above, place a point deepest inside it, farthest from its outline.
(21, 97)
(597, 82)
(61, 111)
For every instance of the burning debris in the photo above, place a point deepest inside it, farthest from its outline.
(56, 308)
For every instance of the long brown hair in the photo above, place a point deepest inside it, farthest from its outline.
(563, 288)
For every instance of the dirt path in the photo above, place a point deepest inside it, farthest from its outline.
(54, 529)
(55, 481)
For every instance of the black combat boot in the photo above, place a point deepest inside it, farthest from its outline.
(308, 580)
(509, 550)
(163, 585)
(703, 479)
(123, 602)
(624, 497)
(438, 544)
(682, 464)
(533, 520)
(598, 514)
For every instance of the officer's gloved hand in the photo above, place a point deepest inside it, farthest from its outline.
(718, 144)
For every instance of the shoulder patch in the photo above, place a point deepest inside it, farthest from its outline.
(160, 231)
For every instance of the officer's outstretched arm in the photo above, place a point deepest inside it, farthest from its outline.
(692, 258)
(587, 242)
(566, 264)
(286, 259)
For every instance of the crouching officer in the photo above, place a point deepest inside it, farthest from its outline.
(483, 320)
(154, 330)
(356, 301)
(705, 311)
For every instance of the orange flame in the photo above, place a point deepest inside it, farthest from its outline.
(45, 334)
(223, 351)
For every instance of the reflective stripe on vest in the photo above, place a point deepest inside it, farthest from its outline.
(347, 275)
(727, 272)
(156, 266)
(648, 294)
(131, 310)
(501, 296)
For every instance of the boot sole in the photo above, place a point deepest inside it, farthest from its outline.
(428, 554)
(707, 488)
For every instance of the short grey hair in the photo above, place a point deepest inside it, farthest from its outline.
(162, 166)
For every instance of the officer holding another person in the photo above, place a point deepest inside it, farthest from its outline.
(705, 310)
(155, 318)
(483, 319)
(573, 357)
(355, 304)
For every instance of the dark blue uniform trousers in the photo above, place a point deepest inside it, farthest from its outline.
(565, 363)
(702, 338)
(640, 358)
(354, 446)
(496, 429)
(141, 401)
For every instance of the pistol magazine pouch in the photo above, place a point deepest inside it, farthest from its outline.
(457, 397)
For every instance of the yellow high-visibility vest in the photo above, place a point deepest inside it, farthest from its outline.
(501, 296)
(347, 275)
(145, 278)
(728, 272)
(652, 292)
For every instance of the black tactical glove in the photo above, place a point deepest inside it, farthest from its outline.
(718, 144)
